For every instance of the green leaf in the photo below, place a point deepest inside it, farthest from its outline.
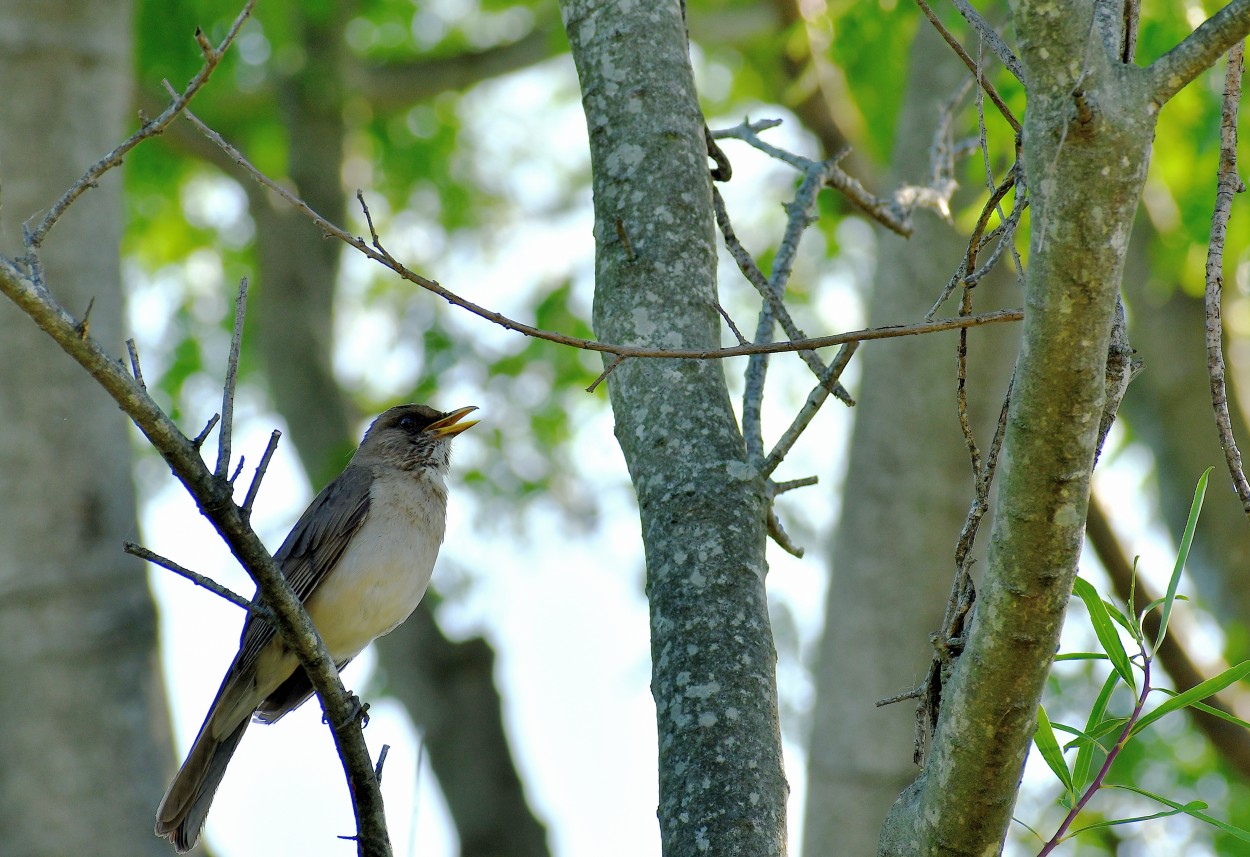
(1191, 807)
(1243, 835)
(1223, 715)
(1105, 629)
(1081, 656)
(1195, 694)
(1085, 754)
(1044, 738)
(1187, 540)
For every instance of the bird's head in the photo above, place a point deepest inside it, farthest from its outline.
(412, 436)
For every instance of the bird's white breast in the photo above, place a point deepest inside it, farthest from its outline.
(384, 572)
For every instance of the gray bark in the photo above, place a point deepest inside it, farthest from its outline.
(722, 788)
(907, 491)
(87, 742)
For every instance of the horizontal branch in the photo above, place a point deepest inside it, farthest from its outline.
(1170, 73)
(379, 254)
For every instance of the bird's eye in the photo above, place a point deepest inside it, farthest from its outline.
(408, 423)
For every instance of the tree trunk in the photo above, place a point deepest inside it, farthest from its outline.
(87, 742)
(1087, 140)
(722, 788)
(905, 500)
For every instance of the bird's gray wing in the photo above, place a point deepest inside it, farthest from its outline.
(312, 548)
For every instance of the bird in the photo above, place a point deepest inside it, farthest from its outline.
(360, 559)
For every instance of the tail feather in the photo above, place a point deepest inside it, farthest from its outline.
(180, 817)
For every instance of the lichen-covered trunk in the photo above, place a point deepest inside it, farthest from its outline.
(722, 788)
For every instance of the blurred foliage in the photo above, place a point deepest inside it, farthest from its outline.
(447, 187)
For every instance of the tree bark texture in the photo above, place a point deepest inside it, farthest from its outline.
(722, 788)
(87, 742)
(1087, 137)
(907, 492)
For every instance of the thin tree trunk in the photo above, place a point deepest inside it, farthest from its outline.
(87, 745)
(722, 788)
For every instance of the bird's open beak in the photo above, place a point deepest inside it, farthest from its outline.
(450, 425)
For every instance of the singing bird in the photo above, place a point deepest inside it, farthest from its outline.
(360, 559)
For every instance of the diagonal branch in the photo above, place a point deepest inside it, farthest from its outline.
(1170, 73)
(212, 58)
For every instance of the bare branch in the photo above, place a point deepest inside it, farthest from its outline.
(259, 475)
(198, 440)
(1170, 73)
(974, 67)
(212, 57)
(778, 534)
(1228, 183)
(991, 37)
(779, 488)
(199, 580)
(384, 258)
(228, 388)
(134, 363)
(894, 215)
(603, 376)
(815, 399)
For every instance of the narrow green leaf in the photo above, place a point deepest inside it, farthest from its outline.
(1195, 694)
(1243, 835)
(1223, 715)
(1085, 754)
(1081, 656)
(1123, 621)
(1187, 540)
(1188, 808)
(1105, 629)
(1044, 737)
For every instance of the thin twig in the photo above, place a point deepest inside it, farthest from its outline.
(991, 37)
(237, 470)
(198, 440)
(134, 363)
(608, 370)
(967, 273)
(972, 66)
(733, 328)
(779, 488)
(779, 535)
(259, 475)
(232, 379)
(383, 257)
(198, 579)
(212, 57)
(815, 399)
(891, 214)
(800, 215)
(1228, 183)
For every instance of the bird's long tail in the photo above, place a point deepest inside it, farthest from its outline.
(180, 817)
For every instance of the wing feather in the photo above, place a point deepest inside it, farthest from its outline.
(312, 548)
